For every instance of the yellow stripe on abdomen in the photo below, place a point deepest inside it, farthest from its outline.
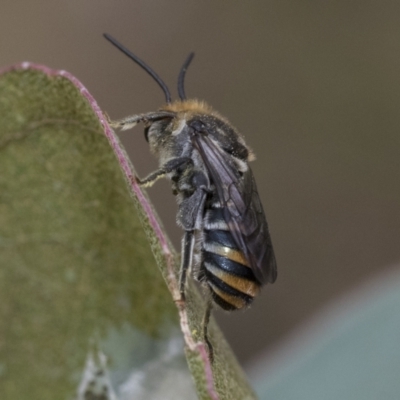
(231, 254)
(241, 284)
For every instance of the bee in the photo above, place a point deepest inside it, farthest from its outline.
(226, 244)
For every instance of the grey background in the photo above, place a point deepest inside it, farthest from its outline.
(314, 87)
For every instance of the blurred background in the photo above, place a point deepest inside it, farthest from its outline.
(313, 86)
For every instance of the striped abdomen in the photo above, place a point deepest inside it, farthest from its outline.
(227, 272)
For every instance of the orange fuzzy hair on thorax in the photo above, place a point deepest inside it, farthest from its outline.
(191, 106)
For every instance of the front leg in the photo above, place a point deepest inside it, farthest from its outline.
(168, 167)
(129, 122)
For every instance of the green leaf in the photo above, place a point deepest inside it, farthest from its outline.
(83, 306)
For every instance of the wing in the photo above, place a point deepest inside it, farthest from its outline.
(242, 207)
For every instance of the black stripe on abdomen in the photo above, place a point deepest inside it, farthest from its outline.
(224, 238)
(228, 266)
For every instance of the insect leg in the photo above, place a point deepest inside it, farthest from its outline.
(205, 322)
(131, 121)
(151, 178)
(169, 166)
(187, 257)
(190, 216)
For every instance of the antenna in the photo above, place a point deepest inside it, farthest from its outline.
(142, 64)
(181, 77)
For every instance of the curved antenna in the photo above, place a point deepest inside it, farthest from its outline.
(181, 77)
(142, 64)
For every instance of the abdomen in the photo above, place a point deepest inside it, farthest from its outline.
(224, 267)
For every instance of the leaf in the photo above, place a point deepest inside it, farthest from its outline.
(83, 306)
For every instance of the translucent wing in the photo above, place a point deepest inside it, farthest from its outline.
(242, 208)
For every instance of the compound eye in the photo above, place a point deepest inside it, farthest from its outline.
(146, 133)
(155, 129)
(198, 126)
